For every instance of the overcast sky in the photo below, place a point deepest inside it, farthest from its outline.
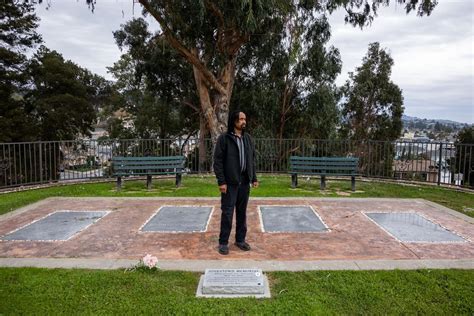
(434, 56)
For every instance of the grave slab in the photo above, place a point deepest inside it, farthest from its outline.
(57, 226)
(175, 219)
(411, 227)
(233, 283)
(298, 219)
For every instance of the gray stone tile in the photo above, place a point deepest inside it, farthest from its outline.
(298, 219)
(61, 225)
(411, 227)
(179, 219)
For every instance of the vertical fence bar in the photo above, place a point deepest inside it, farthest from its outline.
(471, 169)
(15, 173)
(41, 161)
(25, 168)
(5, 166)
(461, 147)
(465, 160)
(439, 162)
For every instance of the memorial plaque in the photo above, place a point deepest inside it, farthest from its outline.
(233, 283)
(57, 226)
(411, 227)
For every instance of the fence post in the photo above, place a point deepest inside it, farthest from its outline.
(439, 162)
(41, 162)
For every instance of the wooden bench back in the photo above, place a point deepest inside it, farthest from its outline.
(342, 166)
(124, 166)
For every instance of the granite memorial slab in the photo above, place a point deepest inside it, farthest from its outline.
(411, 227)
(294, 219)
(57, 226)
(233, 283)
(179, 219)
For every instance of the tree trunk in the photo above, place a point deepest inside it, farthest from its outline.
(215, 112)
(284, 110)
(202, 145)
(285, 107)
(222, 101)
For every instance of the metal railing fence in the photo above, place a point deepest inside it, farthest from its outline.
(52, 161)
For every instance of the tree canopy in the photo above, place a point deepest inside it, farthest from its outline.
(286, 83)
(18, 34)
(62, 96)
(44, 97)
(374, 104)
(156, 84)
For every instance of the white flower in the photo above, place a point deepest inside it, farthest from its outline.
(150, 261)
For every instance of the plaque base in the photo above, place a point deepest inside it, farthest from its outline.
(233, 283)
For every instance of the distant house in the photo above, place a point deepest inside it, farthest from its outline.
(422, 139)
(422, 169)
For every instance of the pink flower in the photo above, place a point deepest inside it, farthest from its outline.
(150, 261)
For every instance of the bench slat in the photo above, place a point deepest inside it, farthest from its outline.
(150, 163)
(121, 158)
(299, 158)
(325, 173)
(147, 167)
(323, 168)
(119, 174)
(323, 164)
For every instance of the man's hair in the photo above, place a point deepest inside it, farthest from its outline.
(233, 117)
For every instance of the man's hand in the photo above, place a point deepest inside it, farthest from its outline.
(223, 188)
(255, 184)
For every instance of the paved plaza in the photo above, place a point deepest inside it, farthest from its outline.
(283, 232)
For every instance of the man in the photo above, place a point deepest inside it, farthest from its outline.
(234, 165)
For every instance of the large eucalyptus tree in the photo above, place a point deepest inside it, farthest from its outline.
(210, 34)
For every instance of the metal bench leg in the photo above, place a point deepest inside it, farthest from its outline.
(353, 183)
(294, 180)
(178, 179)
(323, 182)
(119, 183)
(148, 182)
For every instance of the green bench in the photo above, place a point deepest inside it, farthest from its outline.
(147, 166)
(323, 166)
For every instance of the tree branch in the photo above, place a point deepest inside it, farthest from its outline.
(220, 24)
(192, 106)
(208, 76)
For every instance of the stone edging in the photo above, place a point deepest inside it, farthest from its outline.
(268, 265)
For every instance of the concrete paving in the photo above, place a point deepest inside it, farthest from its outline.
(353, 241)
(267, 265)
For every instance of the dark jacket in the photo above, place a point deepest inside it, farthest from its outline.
(226, 159)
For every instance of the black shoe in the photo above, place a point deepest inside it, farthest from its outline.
(243, 246)
(223, 249)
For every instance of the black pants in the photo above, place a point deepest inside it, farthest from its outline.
(237, 197)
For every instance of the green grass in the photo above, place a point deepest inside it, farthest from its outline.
(61, 291)
(270, 186)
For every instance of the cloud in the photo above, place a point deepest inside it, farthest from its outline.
(84, 37)
(433, 56)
